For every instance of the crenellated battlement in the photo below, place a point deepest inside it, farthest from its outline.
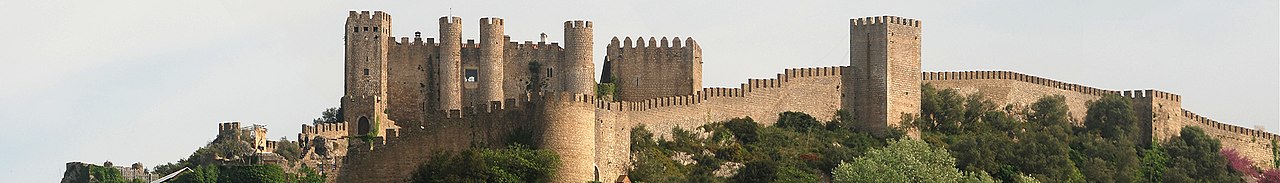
(568, 97)
(1211, 125)
(450, 19)
(1151, 93)
(627, 43)
(490, 21)
(229, 126)
(883, 20)
(720, 92)
(1009, 75)
(577, 24)
(365, 15)
(325, 128)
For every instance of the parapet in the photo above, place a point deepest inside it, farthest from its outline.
(1210, 124)
(365, 15)
(1009, 75)
(324, 128)
(884, 19)
(229, 126)
(1151, 93)
(577, 24)
(487, 21)
(717, 92)
(674, 43)
(450, 19)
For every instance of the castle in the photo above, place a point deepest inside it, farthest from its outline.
(410, 96)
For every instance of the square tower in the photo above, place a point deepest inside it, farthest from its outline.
(367, 41)
(882, 84)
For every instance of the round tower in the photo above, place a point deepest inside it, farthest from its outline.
(569, 121)
(491, 59)
(450, 63)
(579, 70)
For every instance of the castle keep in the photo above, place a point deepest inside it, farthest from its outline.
(407, 97)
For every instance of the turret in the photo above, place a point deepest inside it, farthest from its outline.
(450, 63)
(491, 59)
(882, 84)
(570, 132)
(578, 68)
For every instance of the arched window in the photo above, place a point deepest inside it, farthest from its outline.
(363, 126)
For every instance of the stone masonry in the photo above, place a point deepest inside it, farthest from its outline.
(416, 96)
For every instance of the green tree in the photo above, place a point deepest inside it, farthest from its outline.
(941, 111)
(905, 161)
(1042, 150)
(757, 171)
(744, 130)
(1195, 156)
(288, 149)
(798, 121)
(1112, 117)
(105, 174)
(513, 164)
(307, 175)
(330, 115)
(1154, 160)
(251, 173)
(1107, 143)
(201, 174)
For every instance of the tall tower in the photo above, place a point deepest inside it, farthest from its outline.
(882, 84)
(491, 59)
(579, 70)
(450, 63)
(368, 39)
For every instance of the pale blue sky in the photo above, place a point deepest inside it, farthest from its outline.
(147, 81)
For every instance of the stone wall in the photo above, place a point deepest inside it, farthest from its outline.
(397, 156)
(407, 78)
(654, 70)
(1160, 113)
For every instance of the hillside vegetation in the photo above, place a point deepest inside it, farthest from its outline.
(962, 139)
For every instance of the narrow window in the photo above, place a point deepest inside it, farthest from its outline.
(366, 28)
(357, 29)
(548, 72)
(366, 72)
(470, 75)
(375, 29)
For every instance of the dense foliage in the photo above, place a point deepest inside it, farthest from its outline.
(330, 115)
(251, 173)
(799, 148)
(905, 161)
(109, 175)
(1039, 140)
(513, 164)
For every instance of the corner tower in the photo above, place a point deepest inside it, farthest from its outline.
(368, 39)
(450, 64)
(491, 59)
(579, 70)
(882, 84)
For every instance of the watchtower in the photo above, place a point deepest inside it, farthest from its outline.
(368, 39)
(882, 84)
(450, 63)
(491, 59)
(579, 70)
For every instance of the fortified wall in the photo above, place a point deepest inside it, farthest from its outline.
(1160, 113)
(406, 100)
